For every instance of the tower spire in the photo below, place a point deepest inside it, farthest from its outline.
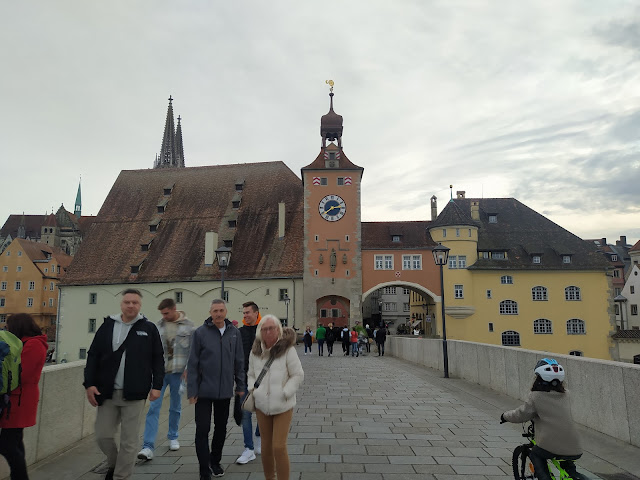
(178, 144)
(78, 208)
(331, 123)
(167, 150)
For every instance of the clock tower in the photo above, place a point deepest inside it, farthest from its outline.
(332, 234)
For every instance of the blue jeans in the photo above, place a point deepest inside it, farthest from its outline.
(247, 427)
(354, 348)
(171, 380)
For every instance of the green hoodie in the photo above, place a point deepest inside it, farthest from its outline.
(320, 333)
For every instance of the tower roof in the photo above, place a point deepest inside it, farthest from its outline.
(179, 149)
(171, 151)
(331, 124)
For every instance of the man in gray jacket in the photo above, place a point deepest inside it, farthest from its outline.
(216, 361)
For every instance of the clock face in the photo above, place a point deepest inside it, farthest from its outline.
(332, 208)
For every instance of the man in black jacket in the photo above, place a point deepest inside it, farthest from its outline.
(124, 362)
(250, 319)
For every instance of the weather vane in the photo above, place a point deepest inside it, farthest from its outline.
(330, 83)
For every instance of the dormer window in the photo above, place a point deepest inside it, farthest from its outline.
(566, 259)
(395, 238)
(228, 243)
(235, 204)
(239, 184)
(153, 228)
(537, 259)
(160, 209)
(145, 247)
(168, 189)
(493, 218)
(232, 223)
(135, 269)
(614, 258)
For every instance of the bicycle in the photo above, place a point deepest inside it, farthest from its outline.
(521, 462)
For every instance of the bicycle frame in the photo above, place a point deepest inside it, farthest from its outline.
(529, 432)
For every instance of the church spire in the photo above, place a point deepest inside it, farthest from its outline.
(78, 208)
(178, 144)
(331, 123)
(171, 152)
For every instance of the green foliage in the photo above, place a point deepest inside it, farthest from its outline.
(361, 330)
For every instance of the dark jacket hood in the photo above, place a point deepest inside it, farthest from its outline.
(281, 346)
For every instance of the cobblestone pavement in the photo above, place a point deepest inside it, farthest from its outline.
(366, 418)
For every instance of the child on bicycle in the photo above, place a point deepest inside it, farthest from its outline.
(549, 408)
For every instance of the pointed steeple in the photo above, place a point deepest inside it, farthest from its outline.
(178, 144)
(78, 208)
(331, 123)
(21, 228)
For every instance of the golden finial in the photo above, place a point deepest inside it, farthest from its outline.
(330, 83)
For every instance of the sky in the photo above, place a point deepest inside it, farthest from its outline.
(539, 101)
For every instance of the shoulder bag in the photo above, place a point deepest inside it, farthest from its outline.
(249, 403)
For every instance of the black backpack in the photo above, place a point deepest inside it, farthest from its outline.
(330, 335)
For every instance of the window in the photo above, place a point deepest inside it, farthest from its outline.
(616, 309)
(510, 338)
(178, 297)
(8, 253)
(536, 259)
(632, 289)
(388, 262)
(92, 325)
(346, 238)
(616, 273)
(3, 286)
(153, 228)
(340, 181)
(144, 247)
(566, 259)
(225, 295)
(18, 285)
(469, 233)
(542, 325)
(575, 327)
(457, 232)
(335, 313)
(462, 261)
(239, 187)
(3, 318)
(51, 302)
(576, 353)
(539, 294)
(506, 280)
(458, 291)
(634, 309)
(19, 253)
(323, 313)
(498, 255)
(412, 262)
(395, 238)
(508, 307)
(93, 298)
(29, 302)
(453, 261)
(235, 204)
(283, 292)
(18, 268)
(52, 321)
(317, 238)
(82, 354)
(51, 286)
(46, 270)
(444, 233)
(489, 294)
(389, 307)
(266, 291)
(53, 269)
(389, 290)
(378, 262)
(2, 300)
(617, 291)
(491, 326)
(493, 219)
(32, 285)
(323, 181)
(406, 291)
(232, 223)
(572, 293)
(405, 307)
(614, 258)
(5, 268)
(228, 243)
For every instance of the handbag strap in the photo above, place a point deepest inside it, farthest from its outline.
(263, 372)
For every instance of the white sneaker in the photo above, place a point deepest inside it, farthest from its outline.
(174, 445)
(145, 454)
(246, 457)
(257, 445)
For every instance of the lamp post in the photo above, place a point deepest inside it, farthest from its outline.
(380, 310)
(286, 302)
(223, 255)
(440, 257)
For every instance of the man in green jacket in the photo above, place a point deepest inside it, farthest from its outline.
(321, 333)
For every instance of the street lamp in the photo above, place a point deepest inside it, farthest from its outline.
(223, 255)
(380, 311)
(440, 257)
(286, 302)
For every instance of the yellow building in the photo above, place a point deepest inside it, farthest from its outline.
(29, 275)
(515, 278)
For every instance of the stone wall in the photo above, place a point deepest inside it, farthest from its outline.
(604, 394)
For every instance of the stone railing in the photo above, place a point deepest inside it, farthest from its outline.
(64, 415)
(604, 394)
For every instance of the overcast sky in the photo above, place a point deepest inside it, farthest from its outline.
(539, 100)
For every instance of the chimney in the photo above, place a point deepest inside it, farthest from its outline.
(281, 220)
(210, 245)
(460, 193)
(475, 210)
(434, 208)
(623, 241)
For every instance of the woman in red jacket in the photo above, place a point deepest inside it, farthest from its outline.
(24, 399)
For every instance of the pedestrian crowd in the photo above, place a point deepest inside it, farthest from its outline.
(355, 342)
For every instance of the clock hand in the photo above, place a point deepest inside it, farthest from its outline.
(335, 206)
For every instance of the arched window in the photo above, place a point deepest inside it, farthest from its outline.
(508, 307)
(506, 280)
(539, 293)
(542, 325)
(576, 353)
(575, 326)
(510, 338)
(572, 293)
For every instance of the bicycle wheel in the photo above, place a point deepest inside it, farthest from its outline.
(522, 466)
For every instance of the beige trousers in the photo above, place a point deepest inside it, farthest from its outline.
(274, 430)
(126, 413)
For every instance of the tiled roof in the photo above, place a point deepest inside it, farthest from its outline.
(32, 224)
(452, 214)
(41, 251)
(379, 235)
(522, 232)
(620, 334)
(199, 202)
(344, 162)
(636, 247)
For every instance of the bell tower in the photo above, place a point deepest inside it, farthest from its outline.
(332, 235)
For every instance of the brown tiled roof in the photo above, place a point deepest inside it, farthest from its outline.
(32, 224)
(41, 251)
(199, 201)
(84, 223)
(379, 235)
(345, 163)
(521, 232)
(636, 247)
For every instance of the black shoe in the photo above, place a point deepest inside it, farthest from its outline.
(109, 475)
(217, 470)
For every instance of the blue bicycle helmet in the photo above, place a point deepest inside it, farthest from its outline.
(549, 370)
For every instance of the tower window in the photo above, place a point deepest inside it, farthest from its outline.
(332, 155)
(324, 181)
(340, 181)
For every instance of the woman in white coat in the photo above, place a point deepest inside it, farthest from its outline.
(276, 395)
